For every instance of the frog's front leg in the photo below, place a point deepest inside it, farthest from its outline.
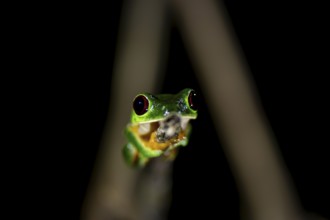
(133, 157)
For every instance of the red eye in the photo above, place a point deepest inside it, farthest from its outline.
(140, 105)
(193, 100)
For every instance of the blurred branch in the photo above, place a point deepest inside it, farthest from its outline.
(118, 192)
(249, 143)
(137, 69)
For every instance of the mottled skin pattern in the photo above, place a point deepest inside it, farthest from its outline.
(168, 116)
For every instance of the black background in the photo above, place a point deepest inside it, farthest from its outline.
(65, 54)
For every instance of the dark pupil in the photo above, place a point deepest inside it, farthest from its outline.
(193, 100)
(140, 105)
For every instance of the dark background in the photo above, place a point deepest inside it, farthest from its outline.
(67, 54)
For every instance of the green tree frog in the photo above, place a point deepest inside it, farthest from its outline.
(159, 124)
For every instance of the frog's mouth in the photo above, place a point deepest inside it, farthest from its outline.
(162, 134)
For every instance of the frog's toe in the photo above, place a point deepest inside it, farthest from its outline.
(133, 157)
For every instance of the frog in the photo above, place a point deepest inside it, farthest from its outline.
(159, 125)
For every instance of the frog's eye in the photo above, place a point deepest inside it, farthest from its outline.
(193, 100)
(140, 105)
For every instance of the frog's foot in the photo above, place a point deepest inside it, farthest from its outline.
(133, 157)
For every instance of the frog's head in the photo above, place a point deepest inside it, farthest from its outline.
(164, 110)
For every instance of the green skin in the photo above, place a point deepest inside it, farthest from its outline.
(135, 152)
